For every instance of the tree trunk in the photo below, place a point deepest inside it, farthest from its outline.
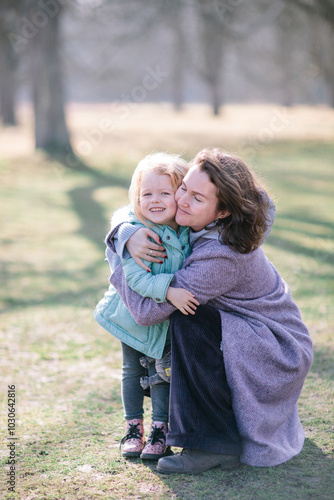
(322, 51)
(216, 98)
(214, 62)
(212, 41)
(178, 57)
(51, 132)
(8, 64)
(331, 96)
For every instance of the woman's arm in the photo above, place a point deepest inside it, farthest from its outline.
(156, 287)
(118, 236)
(120, 241)
(143, 309)
(206, 278)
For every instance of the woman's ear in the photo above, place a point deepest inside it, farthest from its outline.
(223, 214)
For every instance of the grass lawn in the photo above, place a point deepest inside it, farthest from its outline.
(66, 369)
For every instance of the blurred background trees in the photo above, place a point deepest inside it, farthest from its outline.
(9, 15)
(179, 51)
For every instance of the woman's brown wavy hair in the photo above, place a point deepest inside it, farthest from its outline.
(238, 193)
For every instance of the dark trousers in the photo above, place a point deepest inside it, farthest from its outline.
(200, 412)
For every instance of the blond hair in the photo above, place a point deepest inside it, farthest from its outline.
(160, 163)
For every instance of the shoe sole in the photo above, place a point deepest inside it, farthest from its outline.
(131, 454)
(224, 466)
(152, 456)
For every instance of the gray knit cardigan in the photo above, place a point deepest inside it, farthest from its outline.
(267, 348)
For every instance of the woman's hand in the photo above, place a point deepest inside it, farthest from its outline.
(182, 299)
(140, 247)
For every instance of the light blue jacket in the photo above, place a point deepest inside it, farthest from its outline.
(111, 312)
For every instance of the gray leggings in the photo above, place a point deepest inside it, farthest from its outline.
(132, 392)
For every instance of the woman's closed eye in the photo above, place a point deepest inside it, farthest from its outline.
(184, 189)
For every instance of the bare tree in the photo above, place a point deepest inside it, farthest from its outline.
(322, 14)
(174, 17)
(51, 132)
(291, 34)
(8, 62)
(212, 36)
(321, 8)
(322, 51)
(34, 33)
(221, 23)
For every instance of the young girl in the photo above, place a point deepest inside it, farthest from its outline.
(152, 196)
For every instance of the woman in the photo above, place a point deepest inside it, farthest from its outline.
(239, 363)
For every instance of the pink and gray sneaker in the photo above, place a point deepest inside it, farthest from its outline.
(156, 444)
(133, 442)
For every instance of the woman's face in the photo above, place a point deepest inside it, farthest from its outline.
(196, 200)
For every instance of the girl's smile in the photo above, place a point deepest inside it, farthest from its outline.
(157, 199)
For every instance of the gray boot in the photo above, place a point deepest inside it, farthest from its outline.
(196, 461)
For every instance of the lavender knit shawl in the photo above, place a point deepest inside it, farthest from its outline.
(267, 348)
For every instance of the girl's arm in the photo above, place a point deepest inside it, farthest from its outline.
(157, 287)
(146, 284)
(198, 277)
(153, 286)
(182, 299)
(143, 309)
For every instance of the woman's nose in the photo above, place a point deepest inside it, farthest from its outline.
(183, 200)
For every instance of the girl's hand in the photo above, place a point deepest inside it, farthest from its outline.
(140, 247)
(182, 299)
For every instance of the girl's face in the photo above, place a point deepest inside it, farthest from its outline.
(157, 199)
(197, 200)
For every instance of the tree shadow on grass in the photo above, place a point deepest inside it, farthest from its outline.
(294, 223)
(295, 248)
(91, 214)
(323, 362)
(89, 211)
(76, 164)
(84, 295)
(92, 227)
